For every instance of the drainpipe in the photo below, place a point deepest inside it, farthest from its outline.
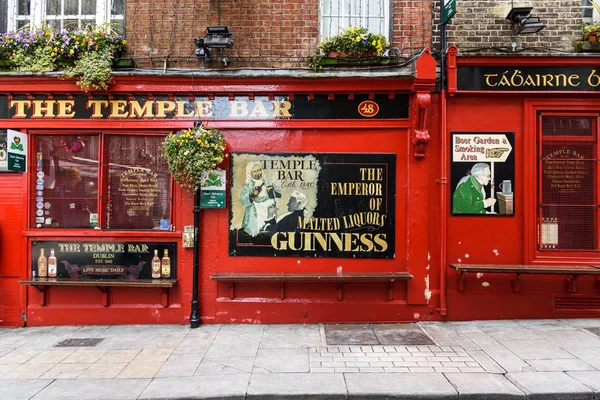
(443, 181)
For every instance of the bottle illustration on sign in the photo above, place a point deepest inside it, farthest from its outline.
(42, 267)
(166, 265)
(52, 265)
(156, 266)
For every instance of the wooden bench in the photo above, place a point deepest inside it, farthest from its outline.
(103, 284)
(572, 271)
(233, 277)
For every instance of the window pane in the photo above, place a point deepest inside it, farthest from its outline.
(3, 22)
(118, 7)
(23, 7)
(71, 7)
(88, 7)
(66, 181)
(139, 187)
(568, 172)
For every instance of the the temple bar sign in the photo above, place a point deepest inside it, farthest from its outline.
(159, 107)
(527, 78)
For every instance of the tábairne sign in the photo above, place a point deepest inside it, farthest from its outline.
(13, 151)
(313, 205)
(215, 108)
(543, 78)
(103, 260)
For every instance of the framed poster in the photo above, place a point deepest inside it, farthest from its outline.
(312, 205)
(482, 173)
(102, 260)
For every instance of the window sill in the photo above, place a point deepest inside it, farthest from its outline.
(49, 232)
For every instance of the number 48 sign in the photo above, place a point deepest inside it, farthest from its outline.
(368, 108)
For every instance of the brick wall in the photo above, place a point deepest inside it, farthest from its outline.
(266, 33)
(482, 24)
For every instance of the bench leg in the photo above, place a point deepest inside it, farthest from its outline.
(232, 290)
(282, 291)
(105, 295)
(340, 292)
(460, 281)
(572, 284)
(391, 291)
(42, 290)
(515, 283)
(165, 297)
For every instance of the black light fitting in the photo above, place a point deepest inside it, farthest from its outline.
(218, 37)
(201, 50)
(522, 22)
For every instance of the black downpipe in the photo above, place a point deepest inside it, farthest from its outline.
(195, 315)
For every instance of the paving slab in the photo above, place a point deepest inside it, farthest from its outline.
(571, 338)
(590, 379)
(230, 343)
(590, 355)
(550, 386)
(535, 349)
(488, 386)
(297, 386)
(20, 389)
(560, 365)
(404, 386)
(222, 387)
(93, 389)
(282, 360)
(401, 334)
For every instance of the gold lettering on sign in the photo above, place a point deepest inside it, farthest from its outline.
(517, 78)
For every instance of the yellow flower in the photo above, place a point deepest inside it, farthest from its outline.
(71, 51)
(124, 41)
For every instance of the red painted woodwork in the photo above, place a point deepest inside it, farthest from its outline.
(510, 240)
(254, 302)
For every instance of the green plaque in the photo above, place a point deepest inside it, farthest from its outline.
(212, 191)
(16, 162)
(449, 10)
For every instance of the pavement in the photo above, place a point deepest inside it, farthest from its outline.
(509, 359)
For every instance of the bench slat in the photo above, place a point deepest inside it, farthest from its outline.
(329, 277)
(529, 269)
(159, 283)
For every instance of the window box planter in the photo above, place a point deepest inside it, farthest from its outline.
(585, 46)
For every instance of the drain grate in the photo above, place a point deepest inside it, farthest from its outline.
(83, 342)
(380, 334)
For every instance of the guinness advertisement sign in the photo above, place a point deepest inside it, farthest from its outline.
(528, 78)
(313, 205)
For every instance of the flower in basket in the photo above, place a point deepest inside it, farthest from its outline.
(90, 50)
(191, 152)
(355, 41)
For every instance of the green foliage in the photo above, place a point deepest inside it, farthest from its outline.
(93, 69)
(191, 152)
(43, 49)
(355, 41)
(591, 29)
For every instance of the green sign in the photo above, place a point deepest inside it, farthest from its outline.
(449, 10)
(212, 191)
(13, 151)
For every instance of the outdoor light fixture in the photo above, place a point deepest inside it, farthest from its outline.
(522, 23)
(201, 50)
(218, 37)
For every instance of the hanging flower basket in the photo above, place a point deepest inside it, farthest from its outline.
(191, 152)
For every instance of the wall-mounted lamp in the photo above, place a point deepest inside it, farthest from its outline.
(218, 37)
(522, 22)
(201, 50)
